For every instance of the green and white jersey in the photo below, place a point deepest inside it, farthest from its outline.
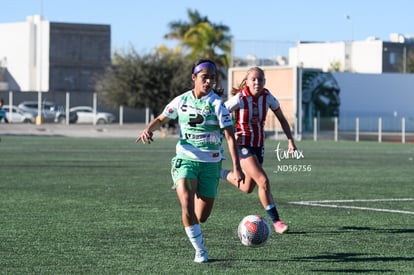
(200, 121)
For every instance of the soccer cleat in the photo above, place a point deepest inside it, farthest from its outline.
(280, 227)
(201, 256)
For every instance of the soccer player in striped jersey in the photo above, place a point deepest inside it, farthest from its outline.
(249, 105)
(202, 119)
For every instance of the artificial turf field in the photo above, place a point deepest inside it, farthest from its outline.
(104, 206)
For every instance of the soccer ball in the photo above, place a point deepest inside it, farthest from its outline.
(253, 231)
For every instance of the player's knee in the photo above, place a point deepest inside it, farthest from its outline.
(262, 181)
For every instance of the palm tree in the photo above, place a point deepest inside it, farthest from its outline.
(179, 28)
(206, 41)
(203, 39)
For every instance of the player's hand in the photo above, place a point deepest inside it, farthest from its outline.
(145, 137)
(291, 147)
(239, 177)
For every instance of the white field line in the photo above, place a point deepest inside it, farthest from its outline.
(327, 203)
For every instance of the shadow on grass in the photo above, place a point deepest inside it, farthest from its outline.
(350, 229)
(379, 230)
(348, 271)
(352, 257)
(216, 260)
(331, 257)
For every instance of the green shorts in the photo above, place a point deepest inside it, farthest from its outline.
(206, 173)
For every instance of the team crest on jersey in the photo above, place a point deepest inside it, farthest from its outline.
(206, 111)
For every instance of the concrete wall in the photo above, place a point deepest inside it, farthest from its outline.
(376, 94)
(388, 96)
(281, 82)
(78, 53)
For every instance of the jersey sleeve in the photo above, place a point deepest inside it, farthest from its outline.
(171, 110)
(233, 103)
(223, 115)
(273, 102)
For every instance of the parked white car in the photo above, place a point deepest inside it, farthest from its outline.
(86, 115)
(18, 116)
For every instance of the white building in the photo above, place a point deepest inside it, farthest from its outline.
(39, 55)
(24, 54)
(369, 56)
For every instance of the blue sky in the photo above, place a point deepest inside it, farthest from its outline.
(262, 27)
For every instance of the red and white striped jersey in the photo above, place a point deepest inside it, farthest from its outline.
(250, 115)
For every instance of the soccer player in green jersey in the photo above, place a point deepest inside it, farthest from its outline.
(202, 118)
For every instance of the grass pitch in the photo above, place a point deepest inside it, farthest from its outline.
(104, 206)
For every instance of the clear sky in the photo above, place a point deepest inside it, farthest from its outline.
(259, 27)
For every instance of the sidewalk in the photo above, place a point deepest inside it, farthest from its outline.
(130, 130)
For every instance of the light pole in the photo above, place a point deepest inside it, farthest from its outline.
(39, 71)
(39, 64)
(404, 59)
(348, 18)
(348, 46)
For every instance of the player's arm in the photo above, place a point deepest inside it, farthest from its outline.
(155, 124)
(231, 142)
(286, 128)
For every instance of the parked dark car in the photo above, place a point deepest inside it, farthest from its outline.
(50, 112)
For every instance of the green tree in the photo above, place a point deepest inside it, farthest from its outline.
(144, 81)
(335, 66)
(154, 79)
(410, 61)
(405, 61)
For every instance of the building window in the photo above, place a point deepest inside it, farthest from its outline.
(393, 58)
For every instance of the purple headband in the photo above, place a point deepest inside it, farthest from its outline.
(204, 65)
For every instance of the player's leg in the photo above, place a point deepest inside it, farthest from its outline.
(203, 207)
(246, 187)
(186, 195)
(249, 184)
(207, 189)
(208, 175)
(253, 168)
(185, 189)
(184, 178)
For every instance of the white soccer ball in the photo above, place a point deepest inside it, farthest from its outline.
(253, 231)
